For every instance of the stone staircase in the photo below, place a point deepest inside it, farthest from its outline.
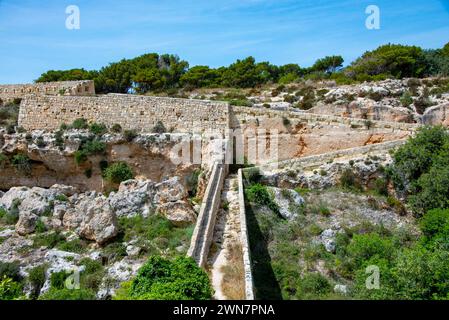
(226, 237)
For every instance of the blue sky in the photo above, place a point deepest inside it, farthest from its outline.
(211, 32)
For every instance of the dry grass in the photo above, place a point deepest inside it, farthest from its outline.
(233, 283)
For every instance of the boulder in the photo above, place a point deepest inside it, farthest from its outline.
(133, 198)
(92, 218)
(287, 199)
(27, 223)
(327, 238)
(180, 213)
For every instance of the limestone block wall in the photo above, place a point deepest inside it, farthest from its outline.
(74, 88)
(134, 112)
(303, 134)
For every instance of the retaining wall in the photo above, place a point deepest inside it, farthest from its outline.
(241, 114)
(132, 112)
(9, 92)
(305, 162)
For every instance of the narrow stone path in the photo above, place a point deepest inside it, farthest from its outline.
(226, 239)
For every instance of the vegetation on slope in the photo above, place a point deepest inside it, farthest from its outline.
(290, 261)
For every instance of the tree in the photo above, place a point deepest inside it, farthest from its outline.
(67, 75)
(445, 50)
(329, 64)
(241, 74)
(199, 77)
(395, 60)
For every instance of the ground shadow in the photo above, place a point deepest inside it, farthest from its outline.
(265, 282)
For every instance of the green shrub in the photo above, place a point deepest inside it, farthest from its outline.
(381, 186)
(59, 140)
(159, 128)
(286, 122)
(80, 124)
(22, 163)
(10, 270)
(80, 157)
(252, 176)
(48, 240)
(406, 99)
(3, 160)
(349, 180)
(76, 246)
(40, 142)
(36, 278)
(192, 182)
(435, 226)
(178, 279)
(313, 285)
(10, 129)
(364, 247)
(116, 128)
(68, 294)
(118, 172)
(40, 227)
(98, 129)
(94, 147)
(9, 289)
(62, 198)
(259, 194)
(92, 275)
(130, 135)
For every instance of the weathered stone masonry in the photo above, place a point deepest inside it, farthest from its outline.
(139, 113)
(10, 92)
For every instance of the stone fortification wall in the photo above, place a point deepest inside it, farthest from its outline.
(10, 92)
(135, 112)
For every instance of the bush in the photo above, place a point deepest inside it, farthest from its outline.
(3, 160)
(62, 198)
(159, 128)
(116, 128)
(130, 135)
(365, 247)
(94, 147)
(80, 124)
(10, 270)
(48, 240)
(381, 186)
(22, 163)
(192, 182)
(40, 142)
(76, 246)
(98, 129)
(435, 226)
(313, 285)
(259, 194)
(178, 279)
(9, 289)
(59, 140)
(417, 156)
(406, 99)
(92, 275)
(68, 294)
(80, 157)
(348, 180)
(36, 278)
(118, 172)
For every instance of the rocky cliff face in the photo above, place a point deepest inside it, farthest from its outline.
(52, 159)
